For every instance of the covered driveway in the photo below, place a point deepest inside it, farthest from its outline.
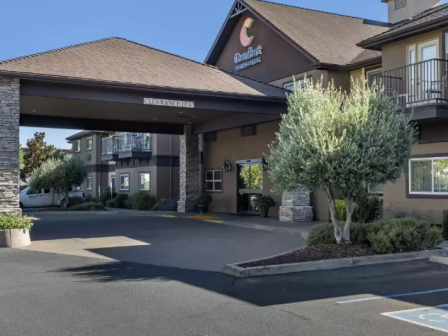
(118, 85)
(171, 242)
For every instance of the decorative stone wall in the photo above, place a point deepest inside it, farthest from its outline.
(296, 207)
(9, 145)
(189, 171)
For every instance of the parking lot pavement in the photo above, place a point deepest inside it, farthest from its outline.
(173, 242)
(53, 294)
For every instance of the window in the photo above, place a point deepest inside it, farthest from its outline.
(89, 143)
(124, 182)
(300, 83)
(374, 76)
(247, 131)
(112, 182)
(145, 181)
(89, 183)
(428, 176)
(213, 180)
(379, 189)
(77, 145)
(399, 4)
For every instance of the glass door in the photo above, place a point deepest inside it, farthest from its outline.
(250, 184)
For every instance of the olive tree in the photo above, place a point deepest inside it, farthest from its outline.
(61, 175)
(340, 142)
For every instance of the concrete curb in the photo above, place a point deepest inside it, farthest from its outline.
(237, 271)
(37, 213)
(439, 260)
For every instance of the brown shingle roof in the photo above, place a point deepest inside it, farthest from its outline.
(327, 37)
(117, 60)
(427, 17)
(366, 55)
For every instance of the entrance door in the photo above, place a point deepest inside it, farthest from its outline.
(250, 184)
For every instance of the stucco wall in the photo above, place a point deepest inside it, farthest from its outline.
(395, 54)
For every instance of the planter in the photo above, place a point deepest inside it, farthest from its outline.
(264, 213)
(203, 209)
(15, 238)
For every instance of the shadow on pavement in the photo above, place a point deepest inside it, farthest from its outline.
(380, 280)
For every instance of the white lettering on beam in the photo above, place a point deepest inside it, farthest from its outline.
(169, 103)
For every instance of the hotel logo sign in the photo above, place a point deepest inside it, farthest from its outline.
(252, 55)
(168, 103)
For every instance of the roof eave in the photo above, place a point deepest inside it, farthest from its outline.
(377, 43)
(348, 67)
(158, 89)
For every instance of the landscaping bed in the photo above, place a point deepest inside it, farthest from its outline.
(315, 253)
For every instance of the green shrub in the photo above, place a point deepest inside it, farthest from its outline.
(369, 208)
(121, 200)
(92, 206)
(91, 199)
(72, 201)
(141, 200)
(106, 195)
(160, 203)
(9, 222)
(398, 211)
(204, 200)
(445, 226)
(403, 235)
(321, 234)
(264, 202)
(110, 203)
(341, 211)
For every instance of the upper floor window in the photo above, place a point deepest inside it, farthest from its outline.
(77, 145)
(299, 83)
(89, 143)
(399, 4)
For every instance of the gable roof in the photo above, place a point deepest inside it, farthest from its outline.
(428, 19)
(121, 62)
(326, 38)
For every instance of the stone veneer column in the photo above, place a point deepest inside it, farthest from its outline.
(296, 207)
(9, 145)
(189, 171)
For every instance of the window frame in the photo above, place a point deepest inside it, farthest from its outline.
(140, 181)
(89, 178)
(129, 182)
(308, 79)
(431, 159)
(77, 145)
(87, 143)
(213, 181)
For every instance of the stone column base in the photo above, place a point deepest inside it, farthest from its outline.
(186, 206)
(291, 214)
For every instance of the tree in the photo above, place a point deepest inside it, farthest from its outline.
(340, 142)
(59, 154)
(61, 175)
(37, 153)
(20, 155)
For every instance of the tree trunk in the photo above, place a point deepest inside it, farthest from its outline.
(338, 234)
(350, 207)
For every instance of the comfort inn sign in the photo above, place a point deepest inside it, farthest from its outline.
(169, 103)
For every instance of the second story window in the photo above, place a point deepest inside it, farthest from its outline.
(399, 4)
(77, 145)
(299, 82)
(89, 143)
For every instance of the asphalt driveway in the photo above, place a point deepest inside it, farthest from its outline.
(172, 242)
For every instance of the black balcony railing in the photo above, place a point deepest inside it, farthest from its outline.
(126, 142)
(416, 84)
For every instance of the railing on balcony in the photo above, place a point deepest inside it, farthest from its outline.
(126, 142)
(416, 84)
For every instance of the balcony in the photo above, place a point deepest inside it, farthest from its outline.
(421, 87)
(126, 145)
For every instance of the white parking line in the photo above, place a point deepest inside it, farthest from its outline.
(392, 296)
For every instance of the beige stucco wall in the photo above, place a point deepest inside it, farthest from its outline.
(394, 54)
(428, 208)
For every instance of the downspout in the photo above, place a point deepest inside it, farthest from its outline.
(171, 167)
(201, 163)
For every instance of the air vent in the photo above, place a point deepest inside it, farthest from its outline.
(89, 157)
(250, 130)
(210, 137)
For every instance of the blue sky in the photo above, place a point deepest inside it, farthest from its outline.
(184, 27)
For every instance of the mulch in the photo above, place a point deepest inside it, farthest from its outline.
(315, 253)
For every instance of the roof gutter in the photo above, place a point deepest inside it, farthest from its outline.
(377, 43)
(158, 89)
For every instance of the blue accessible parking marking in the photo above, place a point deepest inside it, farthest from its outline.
(430, 317)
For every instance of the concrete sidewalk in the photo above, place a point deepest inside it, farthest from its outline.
(252, 222)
